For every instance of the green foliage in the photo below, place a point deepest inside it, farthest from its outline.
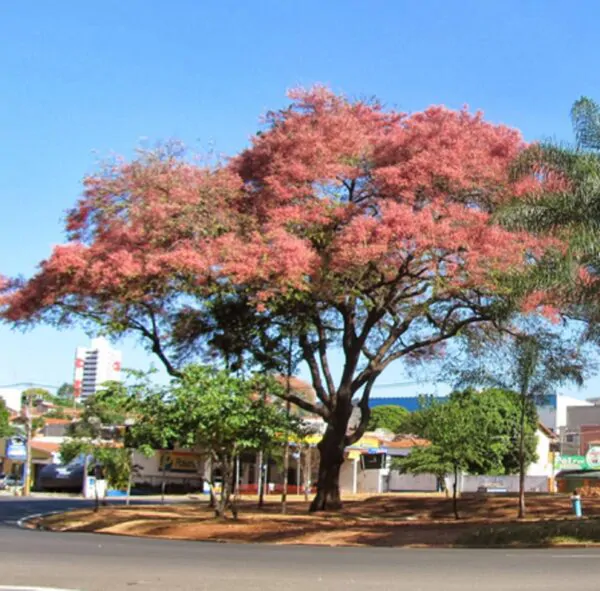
(225, 414)
(532, 535)
(391, 417)
(473, 432)
(463, 435)
(534, 363)
(116, 465)
(115, 461)
(73, 448)
(218, 412)
(65, 396)
(109, 407)
(229, 328)
(496, 418)
(6, 428)
(34, 395)
(569, 210)
(56, 413)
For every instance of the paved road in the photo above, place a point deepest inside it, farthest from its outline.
(14, 508)
(100, 563)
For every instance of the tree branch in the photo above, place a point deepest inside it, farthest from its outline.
(432, 341)
(365, 412)
(323, 356)
(322, 411)
(309, 357)
(157, 347)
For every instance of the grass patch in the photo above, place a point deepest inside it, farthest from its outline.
(533, 535)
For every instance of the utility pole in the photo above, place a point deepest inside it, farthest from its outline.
(307, 471)
(28, 435)
(128, 424)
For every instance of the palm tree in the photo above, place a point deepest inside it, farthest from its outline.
(533, 363)
(568, 209)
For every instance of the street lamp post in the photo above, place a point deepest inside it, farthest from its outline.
(128, 424)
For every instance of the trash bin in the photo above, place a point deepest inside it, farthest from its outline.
(576, 504)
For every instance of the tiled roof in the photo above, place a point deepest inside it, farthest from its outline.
(57, 421)
(546, 431)
(45, 446)
(407, 442)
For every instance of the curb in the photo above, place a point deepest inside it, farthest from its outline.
(23, 522)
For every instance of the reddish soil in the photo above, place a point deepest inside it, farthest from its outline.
(386, 520)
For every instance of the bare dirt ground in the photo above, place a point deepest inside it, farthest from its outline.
(384, 520)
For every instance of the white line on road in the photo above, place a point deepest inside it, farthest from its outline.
(571, 555)
(15, 588)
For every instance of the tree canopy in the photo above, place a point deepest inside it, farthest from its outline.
(390, 417)
(343, 224)
(473, 432)
(6, 428)
(220, 413)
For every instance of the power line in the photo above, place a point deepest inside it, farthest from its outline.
(29, 385)
(401, 384)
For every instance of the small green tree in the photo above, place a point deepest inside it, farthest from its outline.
(106, 414)
(456, 442)
(472, 432)
(116, 464)
(65, 395)
(222, 414)
(394, 418)
(6, 429)
(533, 363)
(71, 449)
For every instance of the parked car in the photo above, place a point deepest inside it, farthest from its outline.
(62, 478)
(10, 481)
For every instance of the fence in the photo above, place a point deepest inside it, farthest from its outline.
(509, 484)
(408, 482)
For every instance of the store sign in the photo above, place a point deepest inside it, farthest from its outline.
(178, 462)
(16, 450)
(592, 457)
(570, 462)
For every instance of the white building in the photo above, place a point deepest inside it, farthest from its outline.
(553, 414)
(95, 365)
(12, 398)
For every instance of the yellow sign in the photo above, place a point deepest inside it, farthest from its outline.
(366, 443)
(171, 461)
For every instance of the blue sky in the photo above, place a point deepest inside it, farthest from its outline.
(82, 80)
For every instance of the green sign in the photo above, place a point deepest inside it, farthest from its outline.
(570, 463)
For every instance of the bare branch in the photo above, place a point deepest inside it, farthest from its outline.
(365, 412)
(309, 357)
(323, 356)
(304, 404)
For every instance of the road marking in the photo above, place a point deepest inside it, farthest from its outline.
(573, 555)
(16, 588)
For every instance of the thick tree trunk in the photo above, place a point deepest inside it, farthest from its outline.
(455, 494)
(331, 449)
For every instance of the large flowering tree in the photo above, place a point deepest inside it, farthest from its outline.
(349, 226)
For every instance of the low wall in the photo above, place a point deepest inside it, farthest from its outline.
(509, 484)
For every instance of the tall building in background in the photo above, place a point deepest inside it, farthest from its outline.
(95, 365)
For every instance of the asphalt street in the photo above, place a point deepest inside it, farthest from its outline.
(101, 563)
